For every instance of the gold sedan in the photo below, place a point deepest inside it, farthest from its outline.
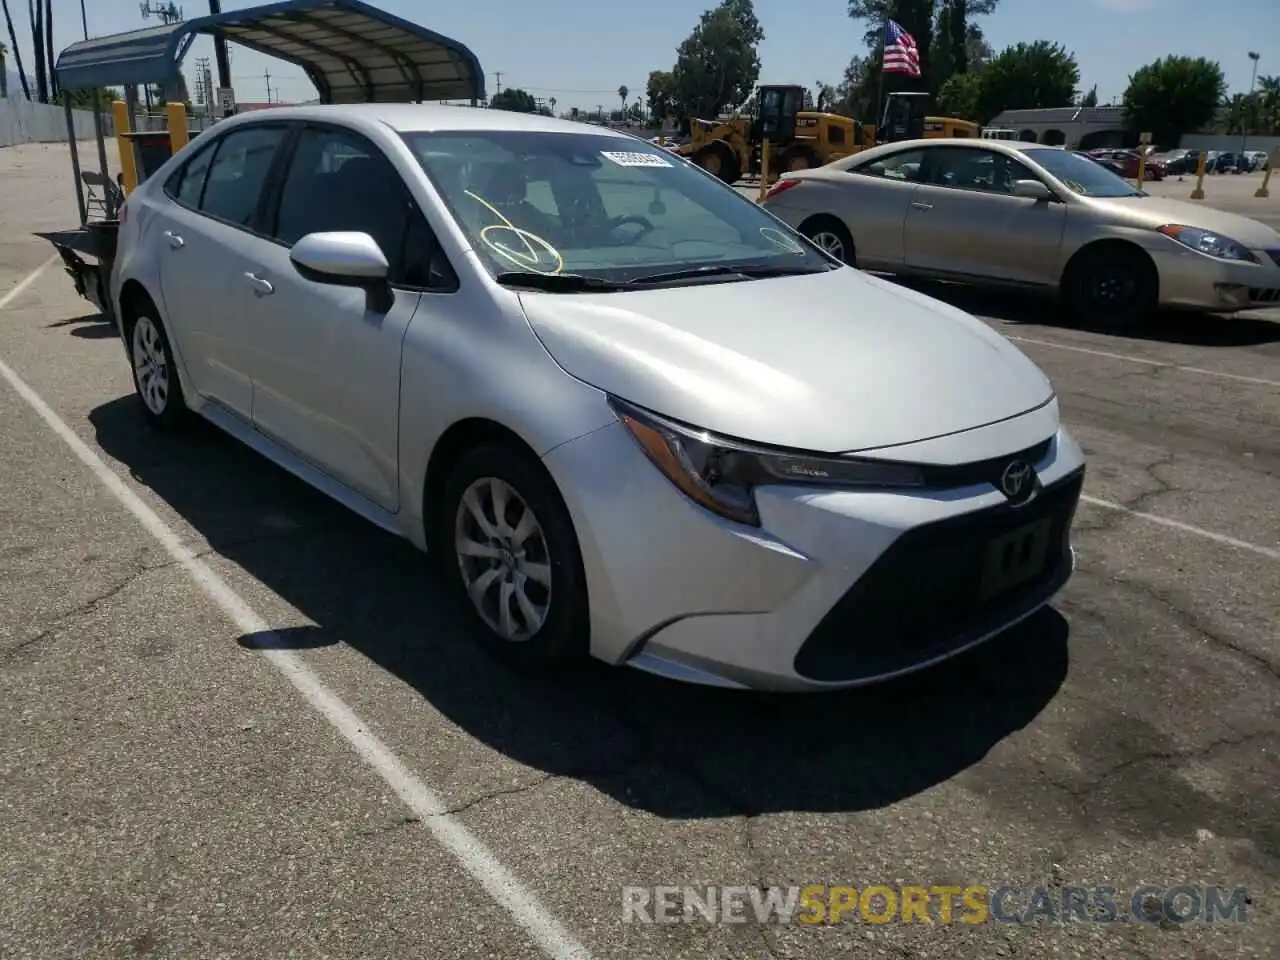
(1034, 217)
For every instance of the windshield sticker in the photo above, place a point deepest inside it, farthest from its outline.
(636, 159)
(525, 250)
(780, 239)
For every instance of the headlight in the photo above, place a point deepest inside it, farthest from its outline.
(1205, 241)
(722, 474)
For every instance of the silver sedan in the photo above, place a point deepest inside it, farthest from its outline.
(1033, 217)
(572, 368)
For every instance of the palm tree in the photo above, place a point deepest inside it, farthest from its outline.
(13, 45)
(622, 95)
(552, 101)
(48, 49)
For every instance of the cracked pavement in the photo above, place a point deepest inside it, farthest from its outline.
(166, 794)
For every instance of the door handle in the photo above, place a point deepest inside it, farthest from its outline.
(260, 287)
(921, 205)
(175, 241)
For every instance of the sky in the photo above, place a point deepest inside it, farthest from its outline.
(580, 52)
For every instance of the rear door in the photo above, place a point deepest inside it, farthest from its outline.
(212, 210)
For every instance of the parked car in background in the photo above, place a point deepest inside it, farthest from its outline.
(1176, 162)
(1115, 166)
(1259, 159)
(1031, 216)
(1128, 161)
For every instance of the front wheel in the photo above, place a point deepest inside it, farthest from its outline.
(832, 237)
(1111, 287)
(155, 375)
(511, 557)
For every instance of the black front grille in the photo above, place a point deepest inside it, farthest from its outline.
(1264, 294)
(981, 471)
(923, 597)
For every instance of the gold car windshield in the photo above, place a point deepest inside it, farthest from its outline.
(598, 206)
(1083, 175)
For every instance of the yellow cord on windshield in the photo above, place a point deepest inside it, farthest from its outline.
(529, 258)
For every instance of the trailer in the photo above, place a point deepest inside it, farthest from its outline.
(351, 51)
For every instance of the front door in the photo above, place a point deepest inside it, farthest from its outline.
(964, 220)
(203, 228)
(327, 357)
(875, 205)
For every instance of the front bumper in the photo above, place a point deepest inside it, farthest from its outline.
(838, 588)
(1191, 280)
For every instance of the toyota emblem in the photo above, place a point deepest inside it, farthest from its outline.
(1016, 480)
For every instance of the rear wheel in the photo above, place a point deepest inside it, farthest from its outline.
(832, 237)
(155, 375)
(1111, 287)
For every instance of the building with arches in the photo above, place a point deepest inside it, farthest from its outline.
(1079, 128)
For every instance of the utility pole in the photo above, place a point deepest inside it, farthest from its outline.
(498, 75)
(1248, 108)
(267, 76)
(220, 50)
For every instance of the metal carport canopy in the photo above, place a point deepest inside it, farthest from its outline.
(351, 51)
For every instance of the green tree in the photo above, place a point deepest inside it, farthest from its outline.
(717, 65)
(948, 41)
(83, 99)
(660, 94)
(1268, 94)
(515, 100)
(961, 95)
(1090, 99)
(1173, 95)
(1026, 76)
(160, 92)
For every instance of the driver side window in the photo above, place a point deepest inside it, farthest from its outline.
(971, 168)
(904, 166)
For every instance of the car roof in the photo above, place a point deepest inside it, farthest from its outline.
(1010, 147)
(426, 117)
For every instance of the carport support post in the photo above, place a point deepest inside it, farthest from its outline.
(109, 195)
(1198, 192)
(75, 159)
(220, 49)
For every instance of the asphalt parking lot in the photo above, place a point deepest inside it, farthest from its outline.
(239, 722)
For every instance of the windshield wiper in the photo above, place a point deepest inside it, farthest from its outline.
(555, 282)
(724, 270)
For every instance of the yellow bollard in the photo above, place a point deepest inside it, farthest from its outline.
(1142, 167)
(1262, 192)
(1198, 192)
(764, 170)
(124, 127)
(176, 116)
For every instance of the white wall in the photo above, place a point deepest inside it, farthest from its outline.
(1215, 141)
(25, 122)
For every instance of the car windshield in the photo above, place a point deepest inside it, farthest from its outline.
(1084, 176)
(601, 207)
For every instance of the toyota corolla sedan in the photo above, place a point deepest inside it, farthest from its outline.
(1031, 217)
(629, 413)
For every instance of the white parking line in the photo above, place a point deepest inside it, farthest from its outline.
(538, 922)
(1268, 552)
(1144, 360)
(25, 282)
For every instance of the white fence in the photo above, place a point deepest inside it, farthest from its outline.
(1214, 141)
(25, 122)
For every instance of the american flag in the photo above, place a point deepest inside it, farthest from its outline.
(900, 53)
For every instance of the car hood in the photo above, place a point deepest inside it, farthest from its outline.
(833, 362)
(1157, 211)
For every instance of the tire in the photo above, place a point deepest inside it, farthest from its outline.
(718, 160)
(155, 375)
(554, 629)
(832, 236)
(797, 158)
(1111, 287)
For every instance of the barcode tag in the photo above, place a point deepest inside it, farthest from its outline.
(636, 159)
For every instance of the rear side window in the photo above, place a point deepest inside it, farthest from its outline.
(238, 173)
(187, 184)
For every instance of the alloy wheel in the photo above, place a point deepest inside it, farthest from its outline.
(503, 557)
(150, 366)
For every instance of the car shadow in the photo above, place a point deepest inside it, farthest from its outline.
(91, 326)
(674, 750)
(1169, 326)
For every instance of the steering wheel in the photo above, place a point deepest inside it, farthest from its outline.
(646, 227)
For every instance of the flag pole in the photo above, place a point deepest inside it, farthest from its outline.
(884, 31)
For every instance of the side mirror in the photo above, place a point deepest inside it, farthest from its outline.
(1032, 190)
(348, 259)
